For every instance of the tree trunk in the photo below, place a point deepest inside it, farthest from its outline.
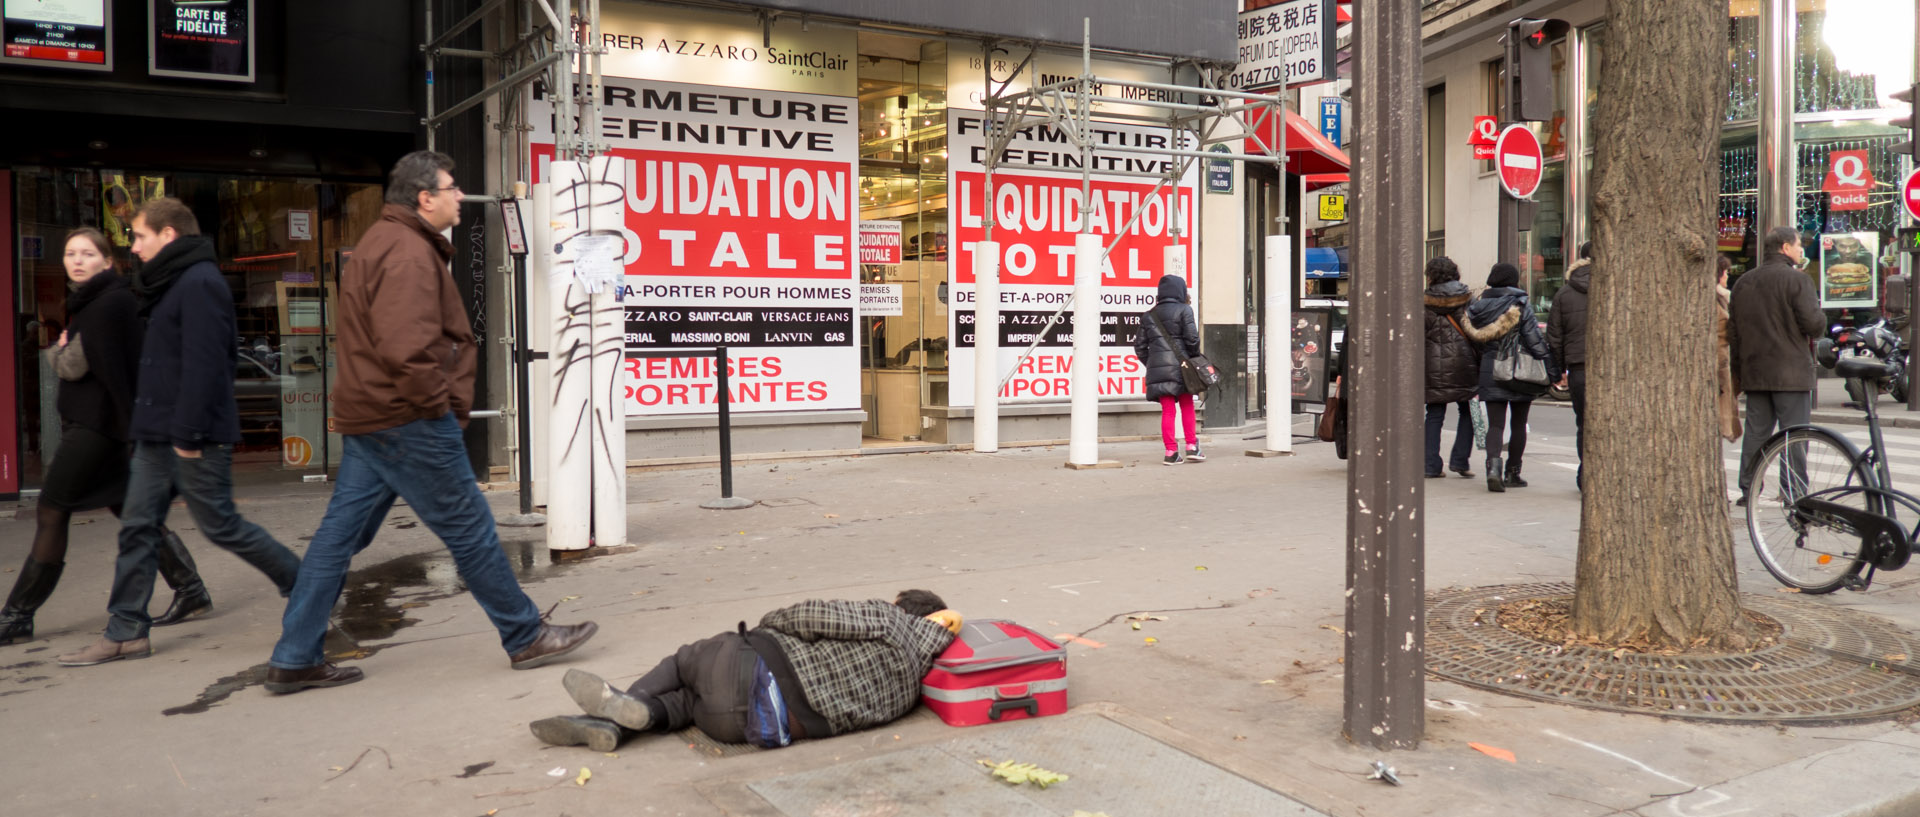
(1656, 550)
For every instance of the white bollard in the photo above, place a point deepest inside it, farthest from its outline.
(570, 360)
(1083, 443)
(986, 347)
(1278, 344)
(608, 452)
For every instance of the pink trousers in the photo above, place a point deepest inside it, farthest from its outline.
(1185, 409)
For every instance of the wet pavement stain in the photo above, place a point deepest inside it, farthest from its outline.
(22, 665)
(221, 690)
(375, 605)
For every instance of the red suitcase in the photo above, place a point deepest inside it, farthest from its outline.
(997, 671)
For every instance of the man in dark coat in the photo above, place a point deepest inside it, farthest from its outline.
(812, 670)
(406, 384)
(1163, 353)
(1453, 366)
(1773, 318)
(1567, 339)
(184, 426)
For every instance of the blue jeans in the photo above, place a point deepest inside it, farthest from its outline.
(425, 463)
(153, 477)
(1462, 437)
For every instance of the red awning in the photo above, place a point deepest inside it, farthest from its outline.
(1308, 152)
(1319, 180)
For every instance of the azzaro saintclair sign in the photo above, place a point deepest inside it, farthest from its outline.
(709, 48)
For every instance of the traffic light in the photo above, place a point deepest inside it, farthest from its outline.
(1911, 147)
(1530, 42)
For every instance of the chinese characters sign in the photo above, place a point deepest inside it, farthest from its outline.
(1286, 45)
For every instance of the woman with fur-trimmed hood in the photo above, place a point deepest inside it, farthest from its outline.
(1453, 366)
(1501, 316)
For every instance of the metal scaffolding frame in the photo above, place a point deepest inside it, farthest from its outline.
(1196, 117)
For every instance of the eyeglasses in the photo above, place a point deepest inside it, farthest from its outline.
(449, 188)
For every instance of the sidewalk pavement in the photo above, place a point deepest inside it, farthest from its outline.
(1243, 556)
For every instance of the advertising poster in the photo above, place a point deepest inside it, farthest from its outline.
(880, 243)
(201, 39)
(741, 230)
(1847, 277)
(56, 33)
(1312, 340)
(1036, 214)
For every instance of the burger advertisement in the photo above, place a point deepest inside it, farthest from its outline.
(1846, 270)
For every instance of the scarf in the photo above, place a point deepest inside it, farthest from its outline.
(80, 295)
(152, 279)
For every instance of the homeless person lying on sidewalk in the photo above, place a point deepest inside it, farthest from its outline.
(813, 670)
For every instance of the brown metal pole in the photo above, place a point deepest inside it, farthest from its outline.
(1386, 592)
(1507, 219)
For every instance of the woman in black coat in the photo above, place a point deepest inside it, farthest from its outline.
(1453, 366)
(1501, 316)
(1163, 353)
(95, 358)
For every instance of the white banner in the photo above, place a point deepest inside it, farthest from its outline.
(740, 231)
(726, 49)
(1035, 219)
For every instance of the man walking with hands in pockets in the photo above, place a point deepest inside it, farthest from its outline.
(406, 384)
(1773, 318)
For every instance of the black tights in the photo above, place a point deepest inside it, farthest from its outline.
(1497, 422)
(50, 538)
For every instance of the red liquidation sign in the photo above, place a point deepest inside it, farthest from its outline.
(1036, 219)
(733, 216)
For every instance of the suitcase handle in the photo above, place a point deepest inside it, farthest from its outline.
(1027, 703)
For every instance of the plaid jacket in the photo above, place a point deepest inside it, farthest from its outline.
(859, 663)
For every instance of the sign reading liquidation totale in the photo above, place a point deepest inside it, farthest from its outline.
(1035, 216)
(740, 231)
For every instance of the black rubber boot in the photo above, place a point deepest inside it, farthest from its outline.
(190, 596)
(31, 590)
(1494, 483)
(1513, 477)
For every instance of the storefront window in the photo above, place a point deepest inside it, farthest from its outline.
(280, 245)
(1743, 60)
(1851, 54)
(1739, 196)
(1848, 210)
(903, 180)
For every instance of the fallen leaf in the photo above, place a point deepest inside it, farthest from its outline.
(1018, 773)
(1268, 681)
(1494, 752)
(1199, 567)
(613, 754)
(492, 811)
(831, 515)
(1239, 737)
(1152, 640)
(585, 775)
(1333, 628)
(1264, 591)
(336, 768)
(1145, 617)
(569, 598)
(1136, 625)
(1786, 590)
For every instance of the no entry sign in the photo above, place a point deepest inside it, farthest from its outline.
(1910, 194)
(1518, 157)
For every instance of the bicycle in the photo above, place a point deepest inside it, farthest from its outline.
(1819, 509)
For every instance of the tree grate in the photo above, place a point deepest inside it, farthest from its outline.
(1831, 664)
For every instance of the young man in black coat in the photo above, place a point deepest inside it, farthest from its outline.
(1567, 339)
(184, 427)
(1772, 319)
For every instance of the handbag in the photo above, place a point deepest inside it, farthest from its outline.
(1197, 373)
(1512, 365)
(1328, 414)
(69, 361)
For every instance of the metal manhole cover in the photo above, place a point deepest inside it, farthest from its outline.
(1832, 664)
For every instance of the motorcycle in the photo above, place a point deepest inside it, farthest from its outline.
(1877, 339)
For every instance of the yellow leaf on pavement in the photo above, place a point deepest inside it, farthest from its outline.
(586, 774)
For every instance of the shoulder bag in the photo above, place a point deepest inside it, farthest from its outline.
(1197, 373)
(1512, 365)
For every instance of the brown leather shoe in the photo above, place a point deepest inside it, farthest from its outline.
(286, 681)
(555, 640)
(104, 650)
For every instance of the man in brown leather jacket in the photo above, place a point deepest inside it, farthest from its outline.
(406, 384)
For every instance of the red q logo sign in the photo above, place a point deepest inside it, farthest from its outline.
(1848, 180)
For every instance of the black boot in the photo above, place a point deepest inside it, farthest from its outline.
(1513, 476)
(190, 596)
(31, 590)
(1493, 476)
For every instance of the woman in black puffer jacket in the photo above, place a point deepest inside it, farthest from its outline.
(1162, 354)
(1498, 317)
(1453, 366)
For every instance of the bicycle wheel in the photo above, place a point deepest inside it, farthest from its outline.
(1809, 554)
